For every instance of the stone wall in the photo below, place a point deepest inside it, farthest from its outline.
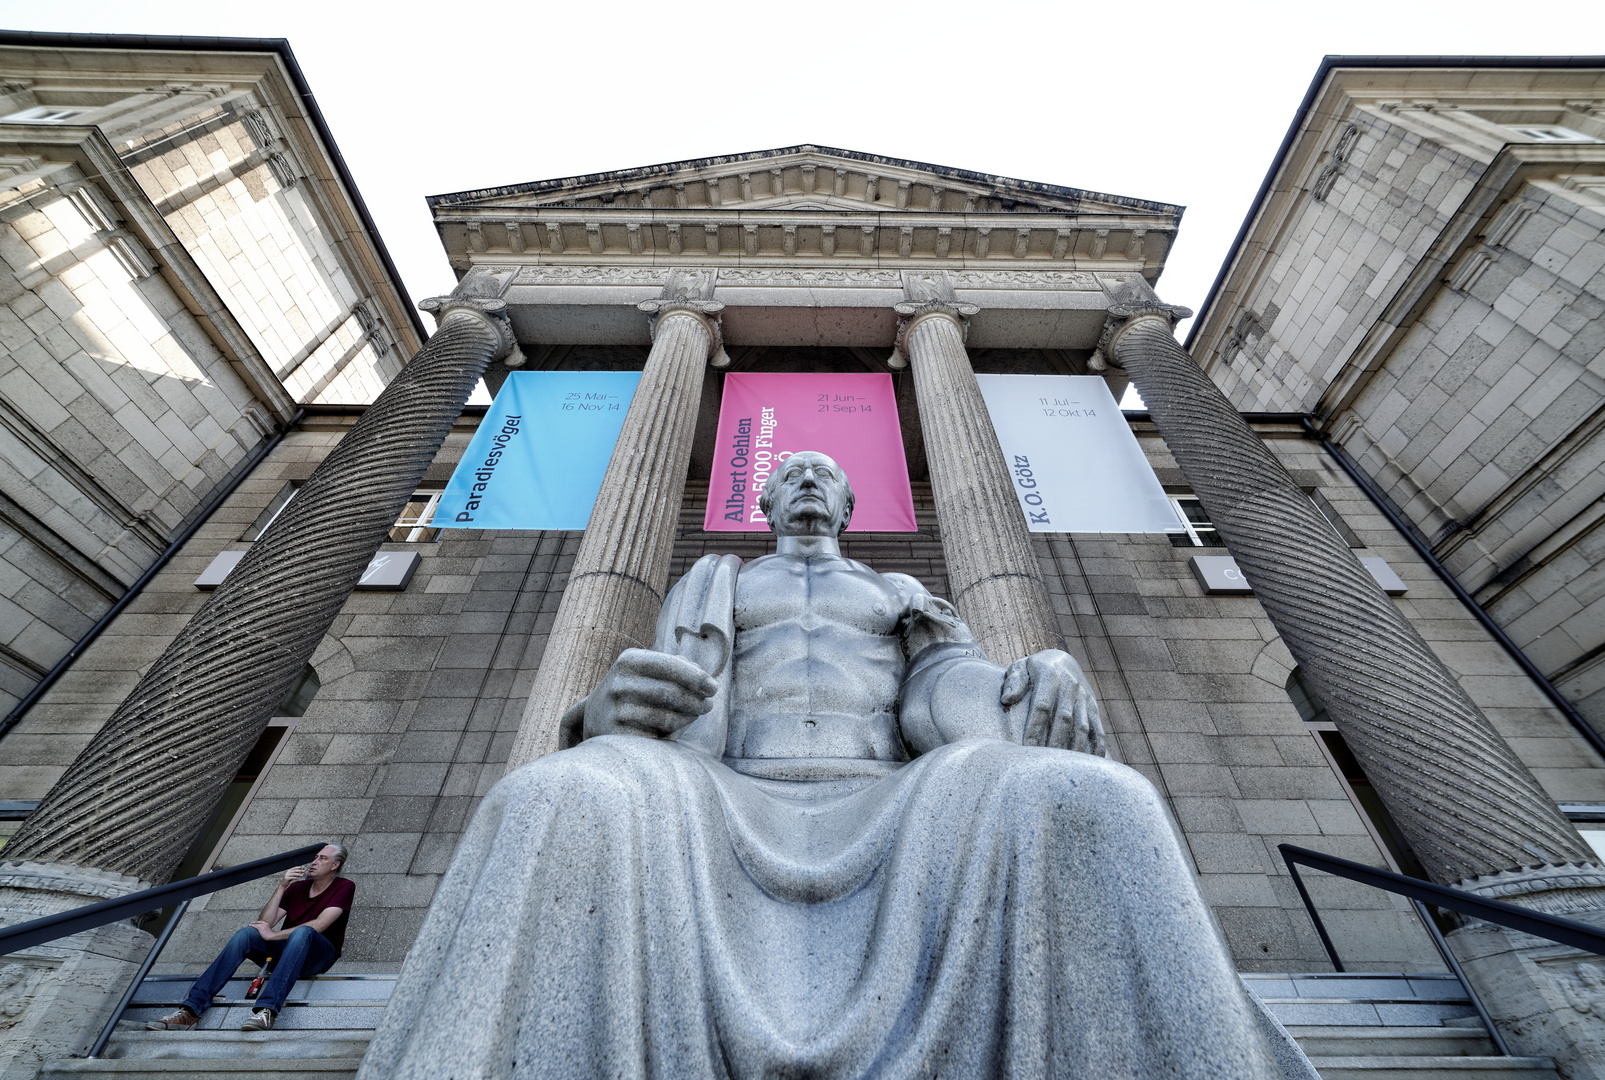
(1338, 264)
(227, 185)
(1480, 419)
(135, 371)
(1484, 425)
(422, 691)
(118, 416)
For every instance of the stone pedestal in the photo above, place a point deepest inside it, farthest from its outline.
(621, 571)
(1548, 999)
(992, 570)
(55, 998)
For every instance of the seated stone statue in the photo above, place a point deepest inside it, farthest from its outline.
(815, 833)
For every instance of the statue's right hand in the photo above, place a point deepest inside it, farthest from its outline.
(648, 693)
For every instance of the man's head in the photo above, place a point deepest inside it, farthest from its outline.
(807, 495)
(328, 863)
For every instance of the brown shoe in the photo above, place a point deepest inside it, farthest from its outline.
(178, 1020)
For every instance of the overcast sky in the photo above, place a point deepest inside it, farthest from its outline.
(1183, 103)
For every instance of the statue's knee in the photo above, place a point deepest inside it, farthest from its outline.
(594, 769)
(1082, 787)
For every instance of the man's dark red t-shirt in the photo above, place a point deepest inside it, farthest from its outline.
(302, 907)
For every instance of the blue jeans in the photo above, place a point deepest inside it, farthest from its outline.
(304, 952)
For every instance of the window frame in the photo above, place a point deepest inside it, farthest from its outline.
(422, 523)
(1189, 528)
(1550, 133)
(64, 114)
(288, 724)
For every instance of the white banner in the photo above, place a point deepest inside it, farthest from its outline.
(1076, 465)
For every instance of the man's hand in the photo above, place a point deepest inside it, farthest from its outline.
(266, 930)
(1062, 711)
(648, 693)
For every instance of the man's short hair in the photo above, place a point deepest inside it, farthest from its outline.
(341, 853)
(766, 498)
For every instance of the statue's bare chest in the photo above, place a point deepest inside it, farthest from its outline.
(814, 593)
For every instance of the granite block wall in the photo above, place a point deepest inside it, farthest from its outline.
(423, 689)
(118, 417)
(1482, 421)
(226, 183)
(1339, 263)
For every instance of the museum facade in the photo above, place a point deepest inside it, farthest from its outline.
(1328, 647)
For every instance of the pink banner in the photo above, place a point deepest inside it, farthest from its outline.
(764, 419)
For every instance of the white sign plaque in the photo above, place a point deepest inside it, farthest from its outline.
(1075, 463)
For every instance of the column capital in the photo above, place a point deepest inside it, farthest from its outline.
(926, 295)
(1130, 304)
(488, 310)
(690, 292)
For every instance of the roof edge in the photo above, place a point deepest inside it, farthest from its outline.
(1328, 64)
(668, 167)
(280, 47)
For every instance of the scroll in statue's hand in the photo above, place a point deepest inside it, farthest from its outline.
(1061, 710)
(648, 693)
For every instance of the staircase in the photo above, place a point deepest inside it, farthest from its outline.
(322, 1032)
(1390, 1027)
(1352, 1027)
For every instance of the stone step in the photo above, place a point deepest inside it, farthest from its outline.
(1423, 1067)
(239, 1045)
(205, 1068)
(324, 1003)
(1355, 1041)
(1364, 999)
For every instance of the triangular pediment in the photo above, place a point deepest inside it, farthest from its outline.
(800, 178)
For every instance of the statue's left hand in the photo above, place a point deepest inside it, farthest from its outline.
(1062, 711)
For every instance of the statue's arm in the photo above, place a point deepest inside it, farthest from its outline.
(951, 691)
(661, 691)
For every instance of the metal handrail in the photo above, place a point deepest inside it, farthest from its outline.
(66, 923)
(1420, 894)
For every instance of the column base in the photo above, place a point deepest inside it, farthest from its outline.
(1547, 999)
(55, 997)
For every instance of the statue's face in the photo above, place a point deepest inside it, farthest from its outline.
(811, 497)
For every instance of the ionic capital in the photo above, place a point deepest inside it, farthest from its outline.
(1132, 305)
(708, 312)
(926, 296)
(489, 311)
(690, 293)
(911, 315)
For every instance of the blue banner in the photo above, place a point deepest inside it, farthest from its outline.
(537, 460)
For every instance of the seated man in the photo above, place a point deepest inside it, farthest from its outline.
(314, 902)
(739, 872)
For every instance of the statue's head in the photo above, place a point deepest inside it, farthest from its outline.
(807, 495)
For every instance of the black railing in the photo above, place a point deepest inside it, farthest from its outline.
(65, 924)
(1420, 894)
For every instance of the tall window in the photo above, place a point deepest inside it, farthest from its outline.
(1373, 814)
(1551, 133)
(43, 114)
(1197, 530)
(412, 526)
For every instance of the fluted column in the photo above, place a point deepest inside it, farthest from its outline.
(1466, 803)
(140, 792)
(992, 572)
(620, 573)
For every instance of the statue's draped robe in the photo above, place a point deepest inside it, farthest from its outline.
(638, 908)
